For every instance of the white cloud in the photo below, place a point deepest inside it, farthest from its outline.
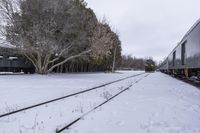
(148, 27)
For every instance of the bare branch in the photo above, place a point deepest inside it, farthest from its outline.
(69, 58)
(60, 54)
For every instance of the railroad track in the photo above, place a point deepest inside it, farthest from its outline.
(193, 82)
(67, 96)
(98, 106)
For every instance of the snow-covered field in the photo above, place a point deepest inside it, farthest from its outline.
(18, 91)
(156, 104)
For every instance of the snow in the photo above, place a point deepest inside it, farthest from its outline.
(4, 44)
(156, 104)
(19, 91)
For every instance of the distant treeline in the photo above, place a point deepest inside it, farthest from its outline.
(124, 62)
(132, 63)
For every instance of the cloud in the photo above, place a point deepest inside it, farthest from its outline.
(148, 27)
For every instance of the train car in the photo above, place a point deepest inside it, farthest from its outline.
(185, 57)
(150, 65)
(164, 66)
(12, 61)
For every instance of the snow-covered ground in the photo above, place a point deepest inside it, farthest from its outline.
(156, 104)
(19, 91)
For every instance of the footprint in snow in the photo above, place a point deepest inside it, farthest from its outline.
(120, 123)
(144, 126)
(160, 124)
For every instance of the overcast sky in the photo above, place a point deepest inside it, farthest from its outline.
(148, 27)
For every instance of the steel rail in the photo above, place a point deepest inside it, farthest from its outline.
(67, 96)
(111, 98)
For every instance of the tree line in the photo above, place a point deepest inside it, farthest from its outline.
(63, 36)
(132, 63)
(59, 35)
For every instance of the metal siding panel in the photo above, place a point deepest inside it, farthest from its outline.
(193, 48)
(170, 61)
(178, 63)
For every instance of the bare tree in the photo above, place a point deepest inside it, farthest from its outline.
(108, 43)
(129, 62)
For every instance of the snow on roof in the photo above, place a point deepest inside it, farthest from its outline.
(4, 44)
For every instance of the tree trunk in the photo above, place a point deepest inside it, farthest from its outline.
(114, 59)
